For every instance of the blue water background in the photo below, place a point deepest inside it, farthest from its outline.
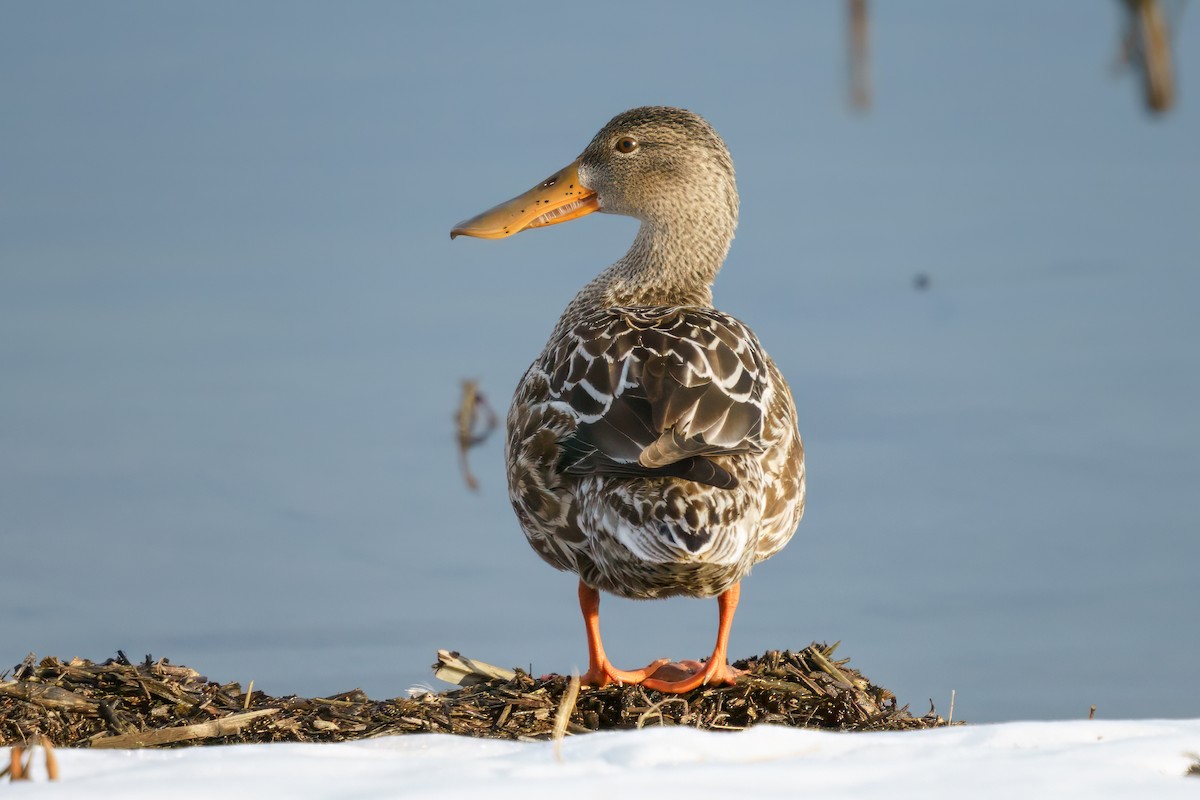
(233, 327)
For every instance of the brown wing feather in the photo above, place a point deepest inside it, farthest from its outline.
(658, 391)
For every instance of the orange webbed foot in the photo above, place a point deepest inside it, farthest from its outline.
(685, 676)
(604, 673)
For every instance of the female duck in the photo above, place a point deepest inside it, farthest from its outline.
(652, 446)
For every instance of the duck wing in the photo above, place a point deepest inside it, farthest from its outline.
(659, 391)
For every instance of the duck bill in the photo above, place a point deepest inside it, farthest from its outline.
(559, 198)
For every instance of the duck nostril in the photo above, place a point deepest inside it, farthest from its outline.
(550, 182)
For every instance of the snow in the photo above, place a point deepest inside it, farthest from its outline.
(1094, 759)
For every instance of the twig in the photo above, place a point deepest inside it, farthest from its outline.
(828, 668)
(110, 717)
(950, 718)
(472, 410)
(25, 668)
(1092, 712)
(462, 671)
(859, 55)
(225, 726)
(641, 720)
(51, 759)
(1147, 45)
(50, 697)
(16, 770)
(249, 692)
(563, 717)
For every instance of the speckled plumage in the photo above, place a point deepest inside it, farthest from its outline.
(652, 446)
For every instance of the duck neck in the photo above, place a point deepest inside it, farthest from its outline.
(669, 264)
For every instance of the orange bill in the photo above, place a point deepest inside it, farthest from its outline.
(557, 199)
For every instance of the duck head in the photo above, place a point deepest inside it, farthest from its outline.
(665, 166)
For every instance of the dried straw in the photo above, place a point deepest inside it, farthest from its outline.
(157, 704)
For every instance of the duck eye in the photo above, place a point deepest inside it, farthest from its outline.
(626, 145)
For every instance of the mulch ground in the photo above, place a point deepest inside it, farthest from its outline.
(156, 703)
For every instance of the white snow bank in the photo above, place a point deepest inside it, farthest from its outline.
(1093, 759)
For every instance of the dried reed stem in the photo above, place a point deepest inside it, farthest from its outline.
(51, 759)
(858, 58)
(563, 717)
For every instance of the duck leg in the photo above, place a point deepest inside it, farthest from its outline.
(717, 670)
(600, 671)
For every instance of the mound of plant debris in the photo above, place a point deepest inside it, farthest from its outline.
(156, 703)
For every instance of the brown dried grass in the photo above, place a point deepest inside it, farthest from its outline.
(156, 703)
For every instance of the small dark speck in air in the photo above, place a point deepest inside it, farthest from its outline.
(920, 281)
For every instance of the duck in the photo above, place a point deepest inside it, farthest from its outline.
(652, 447)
